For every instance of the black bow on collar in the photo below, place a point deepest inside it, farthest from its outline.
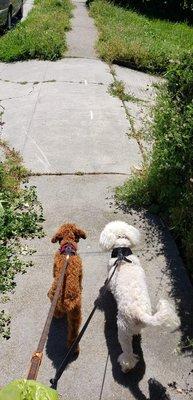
(121, 253)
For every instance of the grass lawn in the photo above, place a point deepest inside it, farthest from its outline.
(41, 35)
(136, 40)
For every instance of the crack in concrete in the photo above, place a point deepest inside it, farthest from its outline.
(51, 81)
(81, 57)
(135, 133)
(76, 173)
(42, 157)
(18, 97)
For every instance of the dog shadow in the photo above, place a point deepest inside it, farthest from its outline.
(131, 380)
(107, 304)
(56, 346)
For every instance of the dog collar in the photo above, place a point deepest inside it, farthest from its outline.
(68, 248)
(123, 251)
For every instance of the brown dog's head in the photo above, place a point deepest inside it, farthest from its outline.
(68, 233)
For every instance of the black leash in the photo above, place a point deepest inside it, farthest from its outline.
(59, 372)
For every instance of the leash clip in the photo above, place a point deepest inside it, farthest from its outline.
(121, 256)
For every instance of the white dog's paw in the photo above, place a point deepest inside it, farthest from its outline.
(127, 363)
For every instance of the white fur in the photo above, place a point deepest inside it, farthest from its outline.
(129, 288)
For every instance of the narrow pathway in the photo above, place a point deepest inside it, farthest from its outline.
(83, 34)
(28, 4)
(62, 119)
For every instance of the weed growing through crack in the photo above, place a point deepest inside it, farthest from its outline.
(117, 89)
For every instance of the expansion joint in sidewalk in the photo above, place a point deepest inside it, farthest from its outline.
(34, 83)
(135, 133)
(77, 173)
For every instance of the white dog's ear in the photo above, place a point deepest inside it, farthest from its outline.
(107, 239)
(132, 234)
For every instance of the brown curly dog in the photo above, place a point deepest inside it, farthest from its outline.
(69, 301)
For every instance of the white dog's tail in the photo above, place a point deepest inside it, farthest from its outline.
(165, 315)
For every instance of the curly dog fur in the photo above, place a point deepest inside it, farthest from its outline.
(69, 302)
(129, 288)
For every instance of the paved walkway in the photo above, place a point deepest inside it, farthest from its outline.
(62, 119)
(27, 6)
(83, 34)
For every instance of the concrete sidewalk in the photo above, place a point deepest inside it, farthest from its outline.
(62, 119)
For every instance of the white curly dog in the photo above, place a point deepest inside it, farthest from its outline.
(129, 288)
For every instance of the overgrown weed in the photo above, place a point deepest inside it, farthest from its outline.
(165, 185)
(21, 217)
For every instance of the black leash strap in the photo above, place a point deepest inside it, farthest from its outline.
(64, 363)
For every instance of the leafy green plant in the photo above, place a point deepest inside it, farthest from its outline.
(21, 218)
(166, 183)
(41, 35)
(186, 345)
(117, 89)
(4, 325)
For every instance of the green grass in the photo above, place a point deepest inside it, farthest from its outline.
(41, 35)
(146, 44)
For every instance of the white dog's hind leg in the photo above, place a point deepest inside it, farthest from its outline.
(127, 358)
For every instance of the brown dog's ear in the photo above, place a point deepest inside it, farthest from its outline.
(56, 238)
(79, 233)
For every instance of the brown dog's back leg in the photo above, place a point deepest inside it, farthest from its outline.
(74, 321)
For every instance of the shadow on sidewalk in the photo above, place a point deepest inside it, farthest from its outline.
(132, 379)
(181, 287)
(56, 344)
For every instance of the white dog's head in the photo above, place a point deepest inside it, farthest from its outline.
(119, 234)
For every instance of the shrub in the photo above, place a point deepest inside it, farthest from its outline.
(20, 218)
(166, 184)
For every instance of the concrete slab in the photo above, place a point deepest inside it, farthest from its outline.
(10, 91)
(142, 87)
(73, 70)
(138, 84)
(96, 373)
(65, 117)
(26, 71)
(17, 116)
(69, 70)
(83, 29)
